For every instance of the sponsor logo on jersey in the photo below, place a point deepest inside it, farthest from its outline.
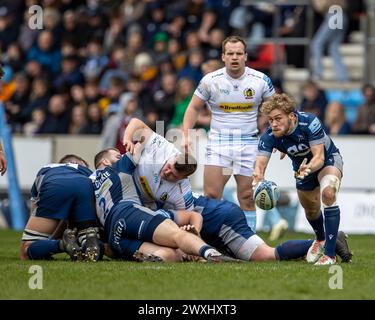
(145, 186)
(224, 91)
(236, 107)
(164, 196)
(248, 93)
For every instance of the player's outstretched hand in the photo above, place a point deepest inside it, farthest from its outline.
(304, 170)
(129, 146)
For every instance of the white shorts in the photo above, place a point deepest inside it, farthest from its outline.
(239, 157)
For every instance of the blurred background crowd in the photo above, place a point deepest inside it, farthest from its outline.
(96, 64)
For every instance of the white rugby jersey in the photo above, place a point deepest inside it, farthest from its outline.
(155, 192)
(234, 102)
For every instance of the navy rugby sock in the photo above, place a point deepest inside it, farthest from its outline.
(43, 249)
(205, 250)
(331, 223)
(318, 227)
(292, 249)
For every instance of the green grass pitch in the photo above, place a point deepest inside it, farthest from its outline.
(63, 279)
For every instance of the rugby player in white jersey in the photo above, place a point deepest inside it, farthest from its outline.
(162, 171)
(233, 94)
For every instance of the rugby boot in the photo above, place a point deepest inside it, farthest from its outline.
(325, 261)
(216, 256)
(315, 251)
(93, 247)
(70, 245)
(342, 247)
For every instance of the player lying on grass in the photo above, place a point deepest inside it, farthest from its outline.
(60, 192)
(120, 211)
(317, 164)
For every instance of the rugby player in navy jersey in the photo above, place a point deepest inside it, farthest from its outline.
(318, 169)
(120, 211)
(62, 191)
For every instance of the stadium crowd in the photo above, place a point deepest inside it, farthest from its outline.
(97, 62)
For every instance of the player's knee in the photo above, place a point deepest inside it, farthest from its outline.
(328, 196)
(245, 195)
(263, 253)
(329, 185)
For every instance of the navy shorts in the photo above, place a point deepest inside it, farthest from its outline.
(225, 228)
(128, 220)
(69, 196)
(311, 181)
(126, 249)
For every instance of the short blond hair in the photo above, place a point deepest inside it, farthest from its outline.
(233, 39)
(279, 101)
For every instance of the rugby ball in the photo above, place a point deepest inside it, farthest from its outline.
(266, 195)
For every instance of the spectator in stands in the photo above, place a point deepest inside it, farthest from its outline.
(70, 74)
(154, 20)
(113, 131)
(314, 100)
(14, 57)
(94, 123)
(145, 102)
(78, 120)
(96, 60)
(365, 120)
(18, 102)
(8, 27)
(335, 120)
(45, 53)
(51, 22)
(177, 55)
(132, 11)
(184, 92)
(39, 97)
(33, 127)
(193, 69)
(164, 98)
(57, 120)
(133, 48)
(160, 46)
(333, 36)
(91, 91)
(213, 47)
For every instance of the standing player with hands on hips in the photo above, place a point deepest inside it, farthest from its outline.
(233, 94)
(318, 169)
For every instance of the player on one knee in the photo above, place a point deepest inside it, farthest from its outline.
(62, 192)
(318, 169)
